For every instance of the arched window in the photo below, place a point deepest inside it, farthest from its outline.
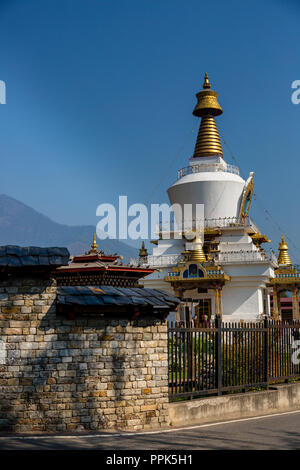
(193, 270)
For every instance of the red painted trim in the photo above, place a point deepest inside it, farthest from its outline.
(106, 268)
(75, 270)
(84, 258)
(138, 270)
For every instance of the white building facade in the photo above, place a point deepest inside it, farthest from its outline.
(225, 272)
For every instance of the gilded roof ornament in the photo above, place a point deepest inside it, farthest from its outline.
(143, 251)
(94, 246)
(207, 101)
(208, 140)
(197, 255)
(206, 83)
(283, 257)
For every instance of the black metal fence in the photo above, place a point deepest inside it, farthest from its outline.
(220, 357)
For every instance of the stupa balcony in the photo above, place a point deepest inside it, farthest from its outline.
(159, 261)
(215, 223)
(247, 256)
(228, 257)
(208, 167)
(162, 260)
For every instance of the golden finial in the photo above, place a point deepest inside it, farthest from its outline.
(94, 246)
(206, 83)
(194, 255)
(143, 253)
(207, 101)
(208, 140)
(283, 257)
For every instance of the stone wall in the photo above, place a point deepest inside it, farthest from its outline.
(89, 373)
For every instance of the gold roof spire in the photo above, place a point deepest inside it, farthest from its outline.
(143, 251)
(283, 257)
(208, 140)
(94, 246)
(195, 252)
(206, 83)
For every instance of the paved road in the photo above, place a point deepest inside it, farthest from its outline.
(273, 432)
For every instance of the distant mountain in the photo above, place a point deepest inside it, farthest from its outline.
(24, 226)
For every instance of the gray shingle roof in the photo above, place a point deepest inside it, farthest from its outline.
(118, 296)
(13, 256)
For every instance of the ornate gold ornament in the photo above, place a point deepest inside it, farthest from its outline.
(258, 239)
(194, 271)
(284, 257)
(94, 246)
(208, 140)
(247, 196)
(143, 251)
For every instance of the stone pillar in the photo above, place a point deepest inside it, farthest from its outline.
(295, 301)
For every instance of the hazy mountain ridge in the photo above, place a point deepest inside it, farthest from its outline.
(24, 226)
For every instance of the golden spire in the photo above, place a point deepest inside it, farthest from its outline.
(208, 140)
(195, 255)
(206, 83)
(283, 257)
(94, 246)
(143, 251)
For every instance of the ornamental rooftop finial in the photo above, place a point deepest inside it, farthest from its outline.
(206, 83)
(283, 257)
(208, 140)
(94, 246)
(143, 251)
(207, 101)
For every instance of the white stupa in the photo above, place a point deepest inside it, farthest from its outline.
(225, 272)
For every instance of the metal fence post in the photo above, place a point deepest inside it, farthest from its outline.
(190, 357)
(218, 323)
(266, 350)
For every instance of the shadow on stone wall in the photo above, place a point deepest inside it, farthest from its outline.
(77, 375)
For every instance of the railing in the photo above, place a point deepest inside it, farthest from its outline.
(242, 255)
(157, 261)
(187, 170)
(222, 357)
(163, 260)
(216, 223)
(272, 257)
(225, 257)
(253, 225)
(287, 275)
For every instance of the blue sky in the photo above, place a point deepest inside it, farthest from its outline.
(100, 96)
